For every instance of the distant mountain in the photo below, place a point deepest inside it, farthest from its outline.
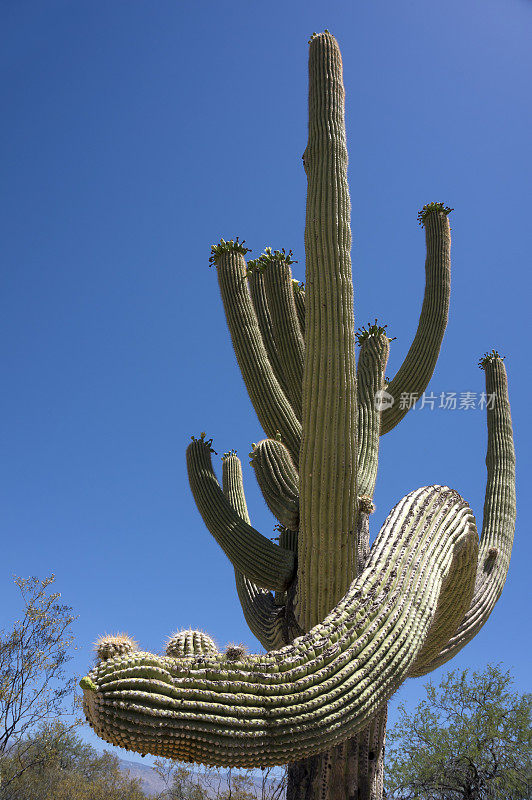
(149, 780)
(152, 784)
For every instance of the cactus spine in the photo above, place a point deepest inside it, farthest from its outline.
(343, 625)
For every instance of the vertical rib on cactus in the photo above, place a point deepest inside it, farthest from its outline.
(328, 460)
(417, 368)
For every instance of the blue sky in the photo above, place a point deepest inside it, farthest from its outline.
(136, 134)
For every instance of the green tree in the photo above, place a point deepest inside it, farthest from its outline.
(213, 783)
(61, 766)
(34, 687)
(471, 738)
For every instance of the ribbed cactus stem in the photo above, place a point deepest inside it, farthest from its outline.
(499, 515)
(278, 481)
(285, 323)
(259, 559)
(269, 401)
(233, 484)
(264, 617)
(416, 370)
(257, 290)
(373, 357)
(299, 300)
(328, 461)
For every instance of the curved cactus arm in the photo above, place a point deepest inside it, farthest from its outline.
(285, 323)
(323, 688)
(268, 399)
(498, 524)
(299, 300)
(416, 370)
(259, 559)
(260, 303)
(373, 357)
(278, 481)
(263, 616)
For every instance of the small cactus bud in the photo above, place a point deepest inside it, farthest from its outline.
(235, 652)
(190, 643)
(366, 505)
(110, 645)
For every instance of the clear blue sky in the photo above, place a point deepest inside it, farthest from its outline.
(134, 135)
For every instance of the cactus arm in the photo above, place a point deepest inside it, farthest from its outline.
(499, 517)
(291, 703)
(278, 481)
(233, 484)
(417, 368)
(263, 616)
(260, 303)
(259, 559)
(268, 399)
(327, 467)
(285, 323)
(299, 300)
(374, 350)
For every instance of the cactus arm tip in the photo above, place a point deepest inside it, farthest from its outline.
(415, 372)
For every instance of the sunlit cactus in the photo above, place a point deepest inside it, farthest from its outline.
(342, 624)
(190, 643)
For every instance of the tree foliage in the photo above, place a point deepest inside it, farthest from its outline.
(471, 738)
(60, 766)
(213, 783)
(34, 687)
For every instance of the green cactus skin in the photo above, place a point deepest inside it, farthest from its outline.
(343, 625)
(278, 481)
(285, 323)
(373, 357)
(260, 304)
(299, 300)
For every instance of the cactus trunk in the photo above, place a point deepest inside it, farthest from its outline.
(343, 624)
(328, 534)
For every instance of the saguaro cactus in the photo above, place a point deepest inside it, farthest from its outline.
(343, 625)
